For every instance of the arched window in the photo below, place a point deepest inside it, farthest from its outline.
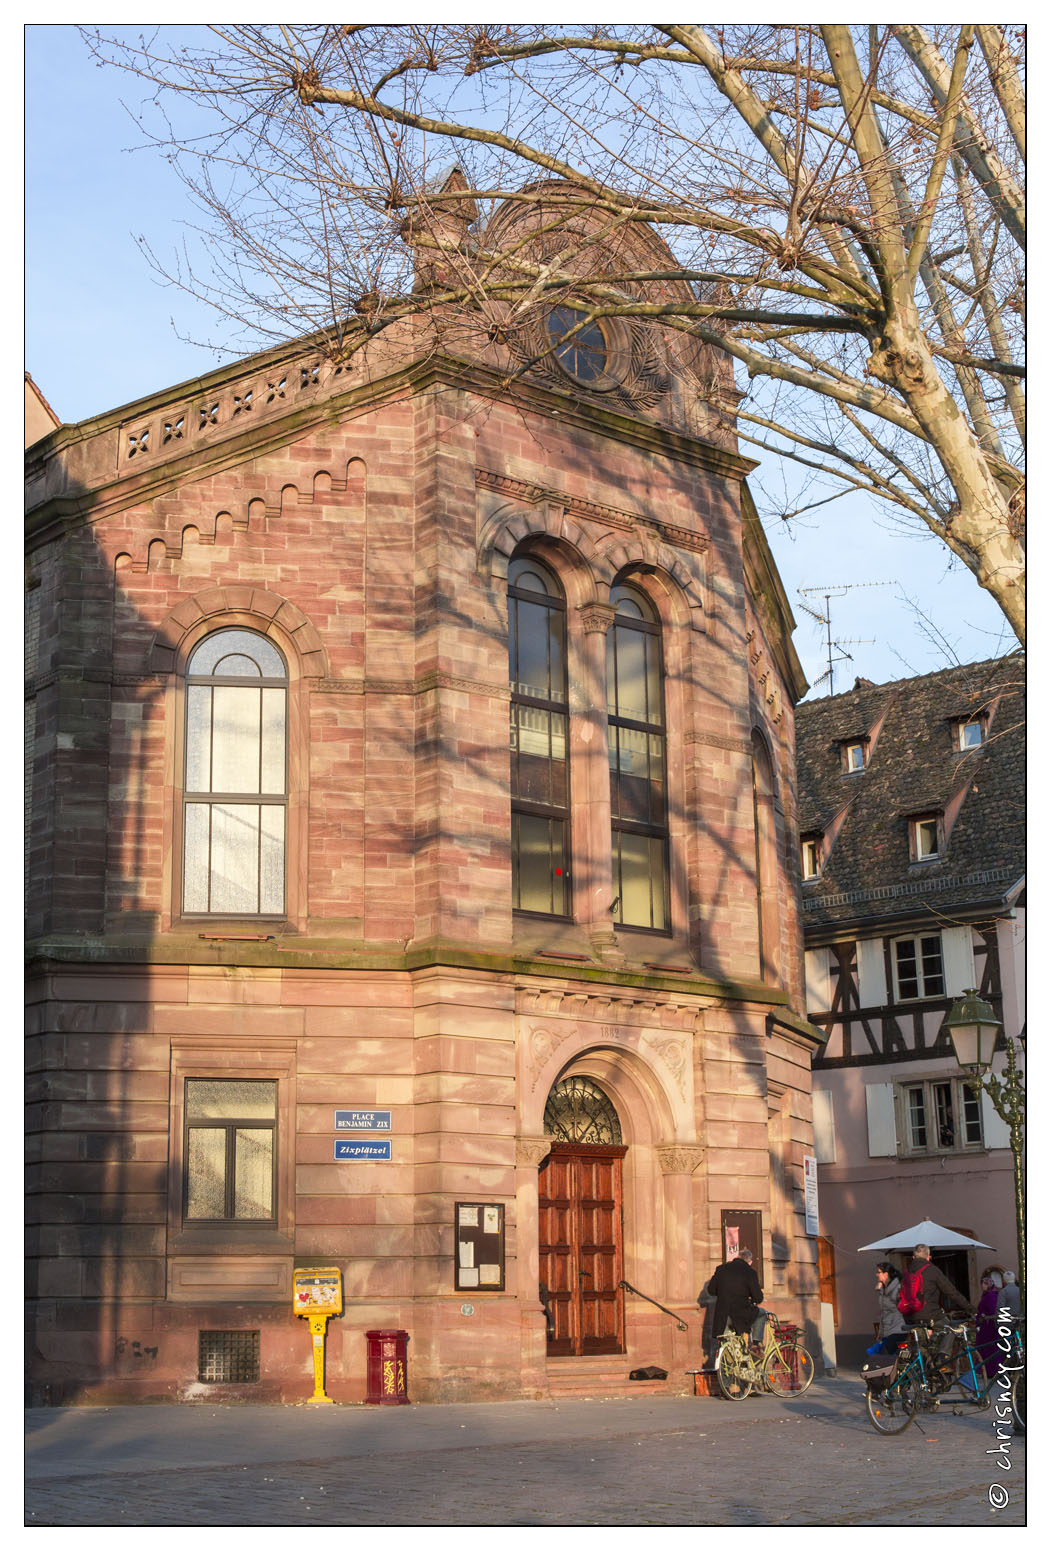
(765, 857)
(638, 786)
(577, 1110)
(536, 621)
(235, 792)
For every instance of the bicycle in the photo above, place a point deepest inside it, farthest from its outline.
(783, 1366)
(918, 1379)
(963, 1368)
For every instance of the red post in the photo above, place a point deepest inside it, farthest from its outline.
(388, 1368)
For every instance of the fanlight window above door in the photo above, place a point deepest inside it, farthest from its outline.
(577, 1110)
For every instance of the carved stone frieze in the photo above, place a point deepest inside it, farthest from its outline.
(530, 1151)
(542, 1044)
(717, 741)
(679, 1157)
(673, 1052)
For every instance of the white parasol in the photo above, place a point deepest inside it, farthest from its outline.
(926, 1232)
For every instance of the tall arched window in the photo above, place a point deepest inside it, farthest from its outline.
(765, 857)
(536, 621)
(235, 792)
(638, 787)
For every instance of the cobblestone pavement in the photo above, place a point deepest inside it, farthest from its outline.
(647, 1461)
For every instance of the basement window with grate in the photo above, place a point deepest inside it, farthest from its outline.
(228, 1356)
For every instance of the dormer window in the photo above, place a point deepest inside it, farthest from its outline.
(855, 755)
(925, 836)
(970, 734)
(810, 849)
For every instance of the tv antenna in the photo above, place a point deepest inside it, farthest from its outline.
(835, 648)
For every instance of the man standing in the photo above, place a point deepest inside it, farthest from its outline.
(737, 1293)
(922, 1287)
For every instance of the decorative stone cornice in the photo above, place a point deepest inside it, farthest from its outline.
(594, 511)
(617, 1016)
(679, 1157)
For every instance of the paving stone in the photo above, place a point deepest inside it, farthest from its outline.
(811, 1462)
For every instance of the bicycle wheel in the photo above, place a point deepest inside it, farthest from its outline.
(1018, 1402)
(893, 1409)
(788, 1370)
(734, 1382)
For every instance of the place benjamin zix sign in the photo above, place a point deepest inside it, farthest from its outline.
(361, 1120)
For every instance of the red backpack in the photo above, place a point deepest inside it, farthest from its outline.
(911, 1299)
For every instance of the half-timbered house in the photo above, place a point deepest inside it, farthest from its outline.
(912, 854)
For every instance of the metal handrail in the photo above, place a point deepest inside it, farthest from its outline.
(628, 1288)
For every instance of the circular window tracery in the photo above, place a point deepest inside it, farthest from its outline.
(577, 1110)
(585, 355)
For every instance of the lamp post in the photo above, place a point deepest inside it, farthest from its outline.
(973, 1030)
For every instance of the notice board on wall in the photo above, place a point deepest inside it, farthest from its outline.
(743, 1230)
(479, 1238)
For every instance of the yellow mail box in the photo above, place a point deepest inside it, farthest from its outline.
(317, 1291)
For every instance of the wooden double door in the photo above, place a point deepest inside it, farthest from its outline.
(582, 1248)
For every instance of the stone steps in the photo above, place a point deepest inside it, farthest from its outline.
(606, 1377)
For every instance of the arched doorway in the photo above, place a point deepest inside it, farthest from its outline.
(581, 1221)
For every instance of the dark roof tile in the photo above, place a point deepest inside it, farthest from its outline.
(913, 767)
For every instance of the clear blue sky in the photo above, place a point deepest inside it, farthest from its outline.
(102, 331)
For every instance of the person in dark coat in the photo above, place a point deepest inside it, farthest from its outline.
(737, 1293)
(935, 1285)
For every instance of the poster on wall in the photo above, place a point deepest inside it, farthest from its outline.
(743, 1230)
(479, 1246)
(810, 1193)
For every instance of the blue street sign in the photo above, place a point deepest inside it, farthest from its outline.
(361, 1120)
(343, 1149)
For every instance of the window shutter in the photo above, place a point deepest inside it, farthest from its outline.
(824, 1127)
(994, 1132)
(879, 1110)
(818, 980)
(872, 974)
(957, 959)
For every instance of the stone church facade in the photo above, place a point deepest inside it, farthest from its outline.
(409, 736)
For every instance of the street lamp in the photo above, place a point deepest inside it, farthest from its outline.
(973, 1029)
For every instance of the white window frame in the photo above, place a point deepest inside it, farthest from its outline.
(919, 827)
(810, 857)
(926, 1088)
(922, 993)
(849, 749)
(962, 727)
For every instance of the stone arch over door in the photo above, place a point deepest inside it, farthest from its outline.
(649, 1084)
